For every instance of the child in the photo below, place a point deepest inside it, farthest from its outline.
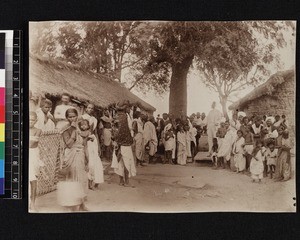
(238, 152)
(95, 171)
(257, 165)
(248, 146)
(214, 156)
(34, 156)
(221, 133)
(181, 150)
(169, 145)
(45, 120)
(271, 156)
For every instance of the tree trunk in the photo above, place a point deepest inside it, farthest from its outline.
(178, 88)
(118, 72)
(223, 101)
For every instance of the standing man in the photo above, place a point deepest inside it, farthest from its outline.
(150, 138)
(60, 111)
(213, 120)
(123, 164)
(138, 128)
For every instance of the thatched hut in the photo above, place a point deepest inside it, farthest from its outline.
(275, 96)
(50, 78)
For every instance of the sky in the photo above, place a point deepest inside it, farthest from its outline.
(200, 97)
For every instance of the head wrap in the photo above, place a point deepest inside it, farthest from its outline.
(271, 119)
(241, 114)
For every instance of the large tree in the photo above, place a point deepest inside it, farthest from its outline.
(225, 51)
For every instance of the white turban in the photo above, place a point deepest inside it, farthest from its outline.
(241, 114)
(271, 119)
(168, 127)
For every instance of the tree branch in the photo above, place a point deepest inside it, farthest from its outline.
(136, 81)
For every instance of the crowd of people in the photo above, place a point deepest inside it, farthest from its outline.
(127, 138)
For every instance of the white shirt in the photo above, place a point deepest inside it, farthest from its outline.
(214, 118)
(200, 122)
(60, 111)
(41, 124)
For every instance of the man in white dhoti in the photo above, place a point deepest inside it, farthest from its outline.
(60, 111)
(123, 160)
(150, 138)
(213, 120)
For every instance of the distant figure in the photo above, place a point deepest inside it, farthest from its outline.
(213, 120)
(214, 156)
(60, 111)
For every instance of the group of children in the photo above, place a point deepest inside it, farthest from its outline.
(261, 147)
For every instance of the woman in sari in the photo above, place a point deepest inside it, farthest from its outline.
(72, 189)
(283, 163)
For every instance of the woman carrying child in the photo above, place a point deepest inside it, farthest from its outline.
(283, 163)
(72, 189)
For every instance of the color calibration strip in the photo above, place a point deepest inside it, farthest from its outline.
(2, 112)
(13, 115)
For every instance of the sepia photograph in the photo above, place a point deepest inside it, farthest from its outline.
(162, 116)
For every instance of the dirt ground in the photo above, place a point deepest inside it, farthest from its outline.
(195, 187)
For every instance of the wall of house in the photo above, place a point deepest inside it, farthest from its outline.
(282, 101)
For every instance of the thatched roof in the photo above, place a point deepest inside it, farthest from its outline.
(266, 88)
(55, 77)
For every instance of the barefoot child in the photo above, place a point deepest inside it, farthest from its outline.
(257, 165)
(214, 156)
(95, 172)
(271, 156)
(34, 155)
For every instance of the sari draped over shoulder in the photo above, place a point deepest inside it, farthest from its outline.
(283, 162)
(73, 187)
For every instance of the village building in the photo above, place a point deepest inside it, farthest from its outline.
(275, 96)
(50, 78)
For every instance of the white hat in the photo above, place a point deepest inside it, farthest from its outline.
(271, 119)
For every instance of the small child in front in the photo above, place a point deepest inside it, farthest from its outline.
(271, 156)
(257, 165)
(214, 156)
